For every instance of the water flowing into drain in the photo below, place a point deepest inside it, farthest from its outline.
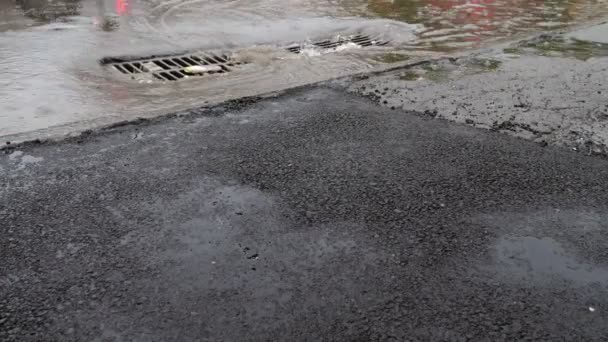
(358, 39)
(183, 65)
(172, 67)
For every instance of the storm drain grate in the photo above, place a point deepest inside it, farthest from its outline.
(359, 39)
(172, 67)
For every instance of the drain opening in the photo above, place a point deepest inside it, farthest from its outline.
(172, 67)
(359, 39)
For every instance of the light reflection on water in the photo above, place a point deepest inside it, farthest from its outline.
(454, 24)
(447, 24)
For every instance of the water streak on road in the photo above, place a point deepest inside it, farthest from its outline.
(49, 50)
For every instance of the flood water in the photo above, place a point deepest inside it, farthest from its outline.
(49, 49)
(453, 24)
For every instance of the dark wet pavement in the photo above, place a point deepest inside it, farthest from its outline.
(312, 215)
(49, 50)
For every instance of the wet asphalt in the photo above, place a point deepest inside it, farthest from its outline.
(311, 215)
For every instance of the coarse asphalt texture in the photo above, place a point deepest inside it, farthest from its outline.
(312, 215)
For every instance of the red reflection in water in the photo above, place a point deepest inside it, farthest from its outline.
(476, 20)
(122, 7)
(480, 13)
(477, 12)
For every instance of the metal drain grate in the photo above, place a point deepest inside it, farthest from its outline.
(359, 39)
(171, 67)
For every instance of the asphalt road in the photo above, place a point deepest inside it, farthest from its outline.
(314, 215)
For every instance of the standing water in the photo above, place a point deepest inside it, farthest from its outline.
(50, 49)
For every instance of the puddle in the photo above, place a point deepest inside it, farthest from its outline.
(544, 260)
(560, 46)
(453, 24)
(444, 70)
(597, 33)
